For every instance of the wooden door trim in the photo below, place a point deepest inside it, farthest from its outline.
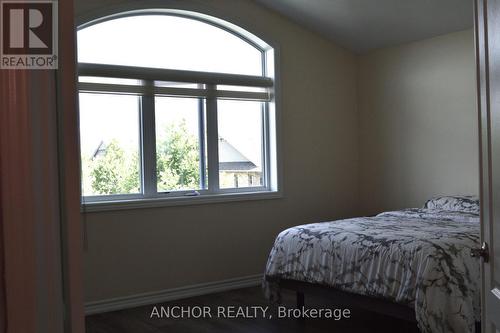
(481, 26)
(69, 172)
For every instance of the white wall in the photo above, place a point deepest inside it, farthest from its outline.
(417, 122)
(145, 250)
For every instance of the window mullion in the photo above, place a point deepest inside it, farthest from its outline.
(201, 138)
(212, 142)
(148, 134)
(265, 146)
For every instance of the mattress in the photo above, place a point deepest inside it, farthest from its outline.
(416, 257)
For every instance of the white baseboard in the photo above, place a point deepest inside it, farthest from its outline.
(161, 296)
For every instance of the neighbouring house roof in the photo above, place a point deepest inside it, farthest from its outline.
(100, 150)
(231, 159)
(236, 166)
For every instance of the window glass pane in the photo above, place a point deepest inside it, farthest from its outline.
(164, 41)
(178, 144)
(240, 143)
(109, 139)
(169, 84)
(241, 88)
(108, 80)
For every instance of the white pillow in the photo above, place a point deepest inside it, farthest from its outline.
(460, 203)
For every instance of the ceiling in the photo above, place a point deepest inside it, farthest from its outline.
(362, 25)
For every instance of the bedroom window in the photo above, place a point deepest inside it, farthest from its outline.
(174, 107)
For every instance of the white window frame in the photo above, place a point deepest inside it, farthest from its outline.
(149, 196)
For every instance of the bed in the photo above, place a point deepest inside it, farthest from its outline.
(417, 258)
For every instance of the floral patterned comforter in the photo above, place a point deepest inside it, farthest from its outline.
(416, 257)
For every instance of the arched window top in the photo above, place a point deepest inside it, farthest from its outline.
(166, 40)
(158, 85)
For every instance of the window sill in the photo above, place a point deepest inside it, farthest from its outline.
(101, 206)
